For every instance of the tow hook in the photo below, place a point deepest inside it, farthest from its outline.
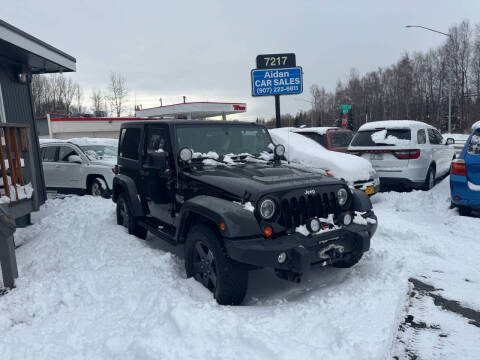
(288, 275)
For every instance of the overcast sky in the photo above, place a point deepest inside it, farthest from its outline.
(206, 49)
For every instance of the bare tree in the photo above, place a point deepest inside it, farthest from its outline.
(54, 93)
(117, 93)
(97, 100)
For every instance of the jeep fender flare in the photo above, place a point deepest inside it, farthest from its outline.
(361, 201)
(238, 221)
(124, 184)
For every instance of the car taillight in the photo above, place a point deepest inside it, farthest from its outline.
(407, 154)
(459, 167)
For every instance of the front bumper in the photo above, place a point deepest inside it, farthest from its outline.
(304, 251)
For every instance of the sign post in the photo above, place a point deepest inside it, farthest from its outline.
(277, 74)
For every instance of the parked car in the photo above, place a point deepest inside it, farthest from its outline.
(465, 175)
(308, 153)
(83, 165)
(331, 138)
(408, 153)
(219, 187)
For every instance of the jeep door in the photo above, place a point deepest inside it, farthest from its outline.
(156, 175)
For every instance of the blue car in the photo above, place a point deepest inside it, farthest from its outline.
(465, 176)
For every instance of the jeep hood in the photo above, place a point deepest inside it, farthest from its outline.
(258, 179)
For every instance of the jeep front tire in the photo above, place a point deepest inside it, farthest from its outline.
(206, 260)
(126, 218)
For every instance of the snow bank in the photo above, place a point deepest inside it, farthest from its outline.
(456, 137)
(306, 152)
(88, 290)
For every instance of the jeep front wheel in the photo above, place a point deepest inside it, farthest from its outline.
(207, 261)
(125, 218)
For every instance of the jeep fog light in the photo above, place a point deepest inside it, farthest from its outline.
(313, 225)
(282, 257)
(342, 196)
(347, 219)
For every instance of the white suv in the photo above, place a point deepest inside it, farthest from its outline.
(79, 165)
(404, 152)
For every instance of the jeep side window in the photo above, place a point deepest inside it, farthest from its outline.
(129, 142)
(157, 139)
(421, 137)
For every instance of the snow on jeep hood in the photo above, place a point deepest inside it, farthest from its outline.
(257, 178)
(306, 152)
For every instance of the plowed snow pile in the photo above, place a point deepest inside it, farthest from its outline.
(88, 290)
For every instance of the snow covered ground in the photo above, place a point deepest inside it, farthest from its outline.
(88, 290)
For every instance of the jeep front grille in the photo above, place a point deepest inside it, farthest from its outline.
(296, 210)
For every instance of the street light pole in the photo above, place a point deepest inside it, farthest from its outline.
(449, 76)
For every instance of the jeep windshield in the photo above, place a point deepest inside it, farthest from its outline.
(226, 141)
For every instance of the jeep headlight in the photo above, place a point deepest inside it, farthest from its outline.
(267, 208)
(342, 196)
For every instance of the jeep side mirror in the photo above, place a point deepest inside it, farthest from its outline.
(158, 160)
(75, 159)
(450, 141)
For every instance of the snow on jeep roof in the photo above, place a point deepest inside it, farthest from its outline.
(393, 124)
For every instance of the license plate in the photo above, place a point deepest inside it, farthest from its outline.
(370, 190)
(376, 156)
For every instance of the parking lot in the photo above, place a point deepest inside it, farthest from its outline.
(89, 289)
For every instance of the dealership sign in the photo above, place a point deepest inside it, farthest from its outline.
(278, 81)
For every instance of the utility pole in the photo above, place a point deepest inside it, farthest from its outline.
(449, 76)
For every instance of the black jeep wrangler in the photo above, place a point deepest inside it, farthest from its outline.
(223, 190)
